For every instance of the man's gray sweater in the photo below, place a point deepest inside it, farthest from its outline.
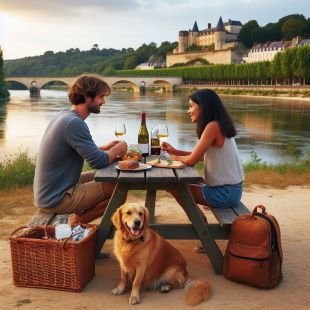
(65, 144)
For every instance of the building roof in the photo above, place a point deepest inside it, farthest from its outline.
(233, 22)
(195, 27)
(304, 42)
(220, 25)
(270, 45)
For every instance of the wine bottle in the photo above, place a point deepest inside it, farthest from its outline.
(155, 144)
(143, 137)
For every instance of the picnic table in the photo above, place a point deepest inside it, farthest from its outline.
(156, 179)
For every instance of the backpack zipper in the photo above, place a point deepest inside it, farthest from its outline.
(249, 258)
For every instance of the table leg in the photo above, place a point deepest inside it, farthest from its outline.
(204, 234)
(105, 226)
(150, 203)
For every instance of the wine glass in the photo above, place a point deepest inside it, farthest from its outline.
(120, 130)
(162, 135)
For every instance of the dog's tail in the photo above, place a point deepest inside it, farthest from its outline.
(197, 291)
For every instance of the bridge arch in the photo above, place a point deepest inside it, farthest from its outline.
(168, 86)
(59, 82)
(132, 84)
(17, 83)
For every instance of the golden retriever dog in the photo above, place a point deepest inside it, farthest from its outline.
(149, 261)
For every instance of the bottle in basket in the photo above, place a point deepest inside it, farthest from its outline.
(62, 229)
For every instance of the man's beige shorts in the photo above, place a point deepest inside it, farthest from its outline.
(83, 196)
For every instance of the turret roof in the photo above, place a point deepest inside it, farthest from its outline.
(195, 27)
(220, 25)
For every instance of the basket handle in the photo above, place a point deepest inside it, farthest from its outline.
(19, 228)
(260, 207)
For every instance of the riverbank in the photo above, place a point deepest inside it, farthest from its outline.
(290, 206)
(17, 171)
(268, 92)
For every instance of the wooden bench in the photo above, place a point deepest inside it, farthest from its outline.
(226, 216)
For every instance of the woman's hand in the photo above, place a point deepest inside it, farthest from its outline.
(165, 146)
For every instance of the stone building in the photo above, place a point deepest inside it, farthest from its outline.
(267, 51)
(217, 45)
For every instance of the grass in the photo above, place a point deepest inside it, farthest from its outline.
(254, 92)
(258, 172)
(17, 171)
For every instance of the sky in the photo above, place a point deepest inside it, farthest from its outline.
(32, 27)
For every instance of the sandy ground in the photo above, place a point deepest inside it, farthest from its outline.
(290, 206)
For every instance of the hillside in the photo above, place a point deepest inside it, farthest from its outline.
(74, 62)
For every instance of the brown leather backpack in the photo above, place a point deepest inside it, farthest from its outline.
(254, 252)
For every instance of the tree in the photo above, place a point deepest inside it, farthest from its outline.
(245, 34)
(276, 73)
(3, 91)
(292, 28)
(130, 62)
(303, 60)
(48, 53)
(108, 71)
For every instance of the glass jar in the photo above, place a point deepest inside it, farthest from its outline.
(62, 228)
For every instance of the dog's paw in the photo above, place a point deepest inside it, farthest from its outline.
(165, 288)
(117, 291)
(133, 300)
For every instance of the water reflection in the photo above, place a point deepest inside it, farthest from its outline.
(277, 130)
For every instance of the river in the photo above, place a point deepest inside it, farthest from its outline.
(277, 130)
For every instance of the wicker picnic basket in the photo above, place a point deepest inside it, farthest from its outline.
(48, 263)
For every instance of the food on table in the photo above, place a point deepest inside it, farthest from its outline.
(128, 164)
(132, 153)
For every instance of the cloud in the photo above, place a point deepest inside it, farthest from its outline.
(62, 7)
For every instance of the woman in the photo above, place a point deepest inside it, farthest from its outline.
(217, 148)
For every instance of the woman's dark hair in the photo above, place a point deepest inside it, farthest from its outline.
(87, 85)
(212, 109)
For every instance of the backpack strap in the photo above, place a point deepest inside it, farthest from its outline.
(275, 224)
(278, 233)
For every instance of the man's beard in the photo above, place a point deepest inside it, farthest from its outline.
(93, 108)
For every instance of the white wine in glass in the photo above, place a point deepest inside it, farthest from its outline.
(120, 130)
(162, 134)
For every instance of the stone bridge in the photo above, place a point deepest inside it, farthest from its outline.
(136, 83)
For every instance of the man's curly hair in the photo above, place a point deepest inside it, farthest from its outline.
(87, 85)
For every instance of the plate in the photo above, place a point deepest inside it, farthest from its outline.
(164, 164)
(140, 168)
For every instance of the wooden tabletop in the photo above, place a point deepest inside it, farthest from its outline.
(153, 175)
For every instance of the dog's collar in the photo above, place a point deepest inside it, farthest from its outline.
(132, 240)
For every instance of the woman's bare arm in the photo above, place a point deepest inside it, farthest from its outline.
(210, 134)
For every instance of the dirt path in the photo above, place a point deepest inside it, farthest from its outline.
(292, 209)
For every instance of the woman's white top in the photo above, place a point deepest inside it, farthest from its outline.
(222, 166)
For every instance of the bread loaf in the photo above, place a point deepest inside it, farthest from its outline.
(128, 164)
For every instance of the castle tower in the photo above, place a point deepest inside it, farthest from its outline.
(193, 35)
(183, 41)
(219, 35)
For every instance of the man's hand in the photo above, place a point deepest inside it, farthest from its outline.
(108, 146)
(118, 149)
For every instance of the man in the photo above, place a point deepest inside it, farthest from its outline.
(59, 187)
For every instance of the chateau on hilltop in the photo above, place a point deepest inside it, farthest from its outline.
(217, 45)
